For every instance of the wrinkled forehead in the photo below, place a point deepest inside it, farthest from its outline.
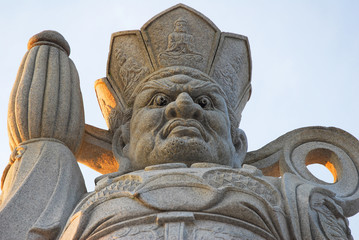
(178, 78)
(182, 82)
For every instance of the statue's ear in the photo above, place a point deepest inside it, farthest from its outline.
(120, 145)
(241, 145)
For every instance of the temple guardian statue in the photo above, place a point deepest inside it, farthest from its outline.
(174, 162)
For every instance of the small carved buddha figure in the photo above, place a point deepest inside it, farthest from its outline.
(180, 44)
(180, 41)
(175, 162)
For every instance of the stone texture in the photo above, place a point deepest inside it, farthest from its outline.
(41, 189)
(175, 162)
(46, 100)
(191, 197)
(51, 38)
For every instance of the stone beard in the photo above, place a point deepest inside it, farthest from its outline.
(175, 163)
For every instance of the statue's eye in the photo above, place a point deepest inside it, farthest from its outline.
(204, 102)
(160, 100)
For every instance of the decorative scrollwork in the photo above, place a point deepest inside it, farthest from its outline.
(125, 184)
(332, 147)
(242, 181)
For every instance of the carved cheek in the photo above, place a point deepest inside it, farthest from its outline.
(143, 124)
(219, 123)
(146, 120)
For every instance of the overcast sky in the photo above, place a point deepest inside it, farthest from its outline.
(305, 57)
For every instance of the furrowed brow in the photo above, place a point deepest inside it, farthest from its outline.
(158, 85)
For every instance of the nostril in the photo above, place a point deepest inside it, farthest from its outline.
(171, 112)
(197, 114)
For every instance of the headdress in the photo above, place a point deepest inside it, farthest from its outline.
(134, 55)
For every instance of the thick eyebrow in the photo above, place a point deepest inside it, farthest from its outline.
(165, 86)
(211, 87)
(156, 84)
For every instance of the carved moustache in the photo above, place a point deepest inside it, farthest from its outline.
(189, 123)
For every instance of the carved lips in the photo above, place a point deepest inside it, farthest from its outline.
(184, 128)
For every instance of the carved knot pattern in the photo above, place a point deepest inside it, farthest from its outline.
(17, 153)
(220, 179)
(124, 185)
(140, 233)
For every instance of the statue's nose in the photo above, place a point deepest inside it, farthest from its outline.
(184, 107)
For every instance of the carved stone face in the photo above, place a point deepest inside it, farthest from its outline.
(181, 26)
(179, 119)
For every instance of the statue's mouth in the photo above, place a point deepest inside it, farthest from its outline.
(184, 128)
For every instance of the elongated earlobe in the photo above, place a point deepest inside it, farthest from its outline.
(241, 146)
(120, 144)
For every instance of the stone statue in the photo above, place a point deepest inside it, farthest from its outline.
(175, 163)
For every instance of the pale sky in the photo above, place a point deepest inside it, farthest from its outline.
(305, 57)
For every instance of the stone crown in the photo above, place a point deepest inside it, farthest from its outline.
(165, 42)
